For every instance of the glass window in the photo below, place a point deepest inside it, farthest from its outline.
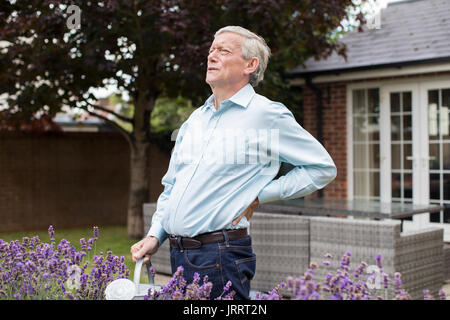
(400, 104)
(396, 185)
(359, 102)
(396, 128)
(407, 128)
(439, 151)
(373, 129)
(435, 186)
(434, 156)
(446, 155)
(359, 156)
(444, 114)
(396, 156)
(373, 101)
(407, 154)
(406, 103)
(374, 155)
(433, 102)
(395, 102)
(366, 144)
(359, 129)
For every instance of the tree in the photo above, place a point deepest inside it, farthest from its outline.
(147, 48)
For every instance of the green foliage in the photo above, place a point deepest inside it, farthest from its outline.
(170, 113)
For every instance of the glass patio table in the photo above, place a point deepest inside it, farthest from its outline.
(342, 207)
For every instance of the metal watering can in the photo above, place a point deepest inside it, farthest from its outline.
(125, 289)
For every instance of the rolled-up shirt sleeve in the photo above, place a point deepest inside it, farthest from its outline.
(314, 167)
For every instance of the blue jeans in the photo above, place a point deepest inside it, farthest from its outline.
(232, 260)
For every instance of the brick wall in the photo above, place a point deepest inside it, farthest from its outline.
(68, 179)
(334, 131)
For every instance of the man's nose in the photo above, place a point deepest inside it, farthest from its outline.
(212, 56)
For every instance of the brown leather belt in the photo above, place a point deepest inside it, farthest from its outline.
(205, 238)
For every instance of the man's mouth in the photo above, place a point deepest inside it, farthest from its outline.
(212, 68)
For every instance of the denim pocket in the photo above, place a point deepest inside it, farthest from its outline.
(246, 269)
(201, 260)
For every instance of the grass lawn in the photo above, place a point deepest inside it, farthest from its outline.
(110, 238)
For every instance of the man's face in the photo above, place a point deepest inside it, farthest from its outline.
(225, 62)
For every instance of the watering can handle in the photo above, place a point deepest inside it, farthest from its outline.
(137, 272)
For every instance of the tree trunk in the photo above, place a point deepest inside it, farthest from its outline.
(139, 189)
(139, 162)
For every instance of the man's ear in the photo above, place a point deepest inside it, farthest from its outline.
(251, 65)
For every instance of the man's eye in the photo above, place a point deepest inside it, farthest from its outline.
(221, 51)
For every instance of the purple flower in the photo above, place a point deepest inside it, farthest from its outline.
(227, 286)
(196, 277)
(427, 295)
(386, 280)
(83, 244)
(360, 269)
(378, 257)
(33, 270)
(152, 271)
(51, 233)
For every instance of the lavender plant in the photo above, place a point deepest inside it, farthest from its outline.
(32, 269)
(344, 284)
(178, 289)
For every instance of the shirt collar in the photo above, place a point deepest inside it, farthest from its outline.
(241, 98)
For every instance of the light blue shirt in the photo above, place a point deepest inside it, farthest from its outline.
(223, 159)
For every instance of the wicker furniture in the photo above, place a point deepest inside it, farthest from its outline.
(447, 262)
(417, 255)
(281, 245)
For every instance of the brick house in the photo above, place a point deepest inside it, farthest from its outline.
(383, 114)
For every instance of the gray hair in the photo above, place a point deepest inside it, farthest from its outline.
(252, 46)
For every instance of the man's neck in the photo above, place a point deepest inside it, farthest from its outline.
(222, 94)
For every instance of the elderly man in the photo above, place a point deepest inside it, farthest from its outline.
(225, 158)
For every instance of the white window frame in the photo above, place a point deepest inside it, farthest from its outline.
(420, 86)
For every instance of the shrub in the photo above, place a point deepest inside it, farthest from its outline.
(32, 269)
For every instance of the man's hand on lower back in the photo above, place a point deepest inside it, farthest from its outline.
(248, 213)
